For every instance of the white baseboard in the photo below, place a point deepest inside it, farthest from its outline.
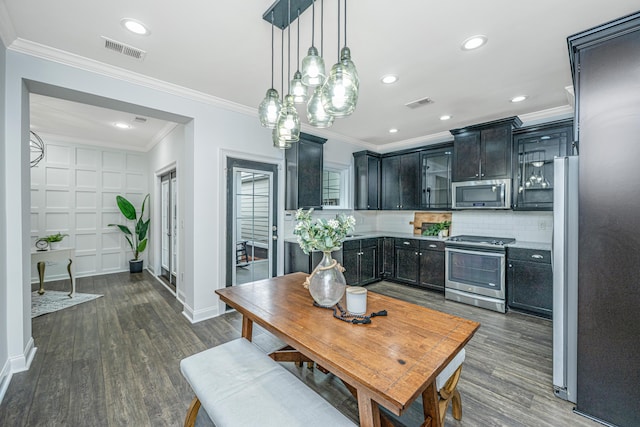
(199, 315)
(5, 379)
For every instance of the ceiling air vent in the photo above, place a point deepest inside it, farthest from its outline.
(139, 119)
(420, 102)
(124, 49)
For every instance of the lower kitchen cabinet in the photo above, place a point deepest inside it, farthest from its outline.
(386, 257)
(296, 260)
(530, 281)
(407, 260)
(432, 265)
(360, 260)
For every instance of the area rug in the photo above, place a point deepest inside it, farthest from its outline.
(52, 301)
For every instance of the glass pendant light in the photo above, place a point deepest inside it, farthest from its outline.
(287, 128)
(298, 89)
(316, 113)
(288, 125)
(313, 71)
(269, 108)
(340, 90)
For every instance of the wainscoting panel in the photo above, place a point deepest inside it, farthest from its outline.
(73, 191)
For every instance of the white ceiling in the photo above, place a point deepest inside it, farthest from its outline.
(222, 49)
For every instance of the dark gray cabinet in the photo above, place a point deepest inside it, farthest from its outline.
(386, 257)
(366, 180)
(432, 265)
(296, 260)
(534, 150)
(407, 260)
(530, 281)
(435, 168)
(304, 164)
(401, 182)
(360, 260)
(484, 151)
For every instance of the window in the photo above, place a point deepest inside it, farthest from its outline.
(335, 185)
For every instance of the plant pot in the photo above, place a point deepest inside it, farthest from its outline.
(135, 266)
(55, 245)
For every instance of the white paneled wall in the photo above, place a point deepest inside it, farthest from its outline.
(73, 191)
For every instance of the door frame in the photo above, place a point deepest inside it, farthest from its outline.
(231, 163)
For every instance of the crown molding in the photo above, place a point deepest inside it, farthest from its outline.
(434, 138)
(66, 58)
(7, 31)
(555, 113)
(53, 137)
(162, 134)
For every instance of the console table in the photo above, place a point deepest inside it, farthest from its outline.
(55, 255)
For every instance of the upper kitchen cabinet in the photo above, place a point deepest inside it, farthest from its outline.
(367, 180)
(534, 150)
(304, 161)
(483, 152)
(401, 181)
(435, 167)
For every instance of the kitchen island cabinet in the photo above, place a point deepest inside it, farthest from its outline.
(530, 281)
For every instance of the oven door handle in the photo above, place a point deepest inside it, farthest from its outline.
(488, 252)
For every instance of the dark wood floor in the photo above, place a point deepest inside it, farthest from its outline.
(114, 361)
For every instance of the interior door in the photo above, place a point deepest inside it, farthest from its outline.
(251, 221)
(169, 241)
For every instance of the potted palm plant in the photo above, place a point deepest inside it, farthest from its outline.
(138, 238)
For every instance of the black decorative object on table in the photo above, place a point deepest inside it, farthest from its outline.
(356, 319)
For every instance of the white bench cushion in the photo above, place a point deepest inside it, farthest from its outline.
(238, 385)
(446, 373)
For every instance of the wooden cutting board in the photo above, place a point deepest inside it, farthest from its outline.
(430, 217)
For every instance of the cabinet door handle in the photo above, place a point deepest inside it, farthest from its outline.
(420, 254)
(537, 256)
(510, 265)
(433, 246)
(406, 243)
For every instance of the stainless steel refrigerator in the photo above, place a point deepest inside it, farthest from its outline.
(565, 277)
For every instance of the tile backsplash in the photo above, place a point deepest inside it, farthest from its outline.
(523, 226)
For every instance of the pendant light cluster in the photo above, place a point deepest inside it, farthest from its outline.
(332, 96)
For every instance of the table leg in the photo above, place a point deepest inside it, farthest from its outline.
(368, 410)
(430, 404)
(247, 328)
(73, 281)
(41, 266)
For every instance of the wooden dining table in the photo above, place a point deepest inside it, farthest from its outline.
(390, 362)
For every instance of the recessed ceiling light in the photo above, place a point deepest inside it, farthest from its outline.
(474, 42)
(135, 26)
(445, 117)
(393, 130)
(389, 78)
(519, 98)
(122, 125)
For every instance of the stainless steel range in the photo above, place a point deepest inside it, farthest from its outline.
(475, 271)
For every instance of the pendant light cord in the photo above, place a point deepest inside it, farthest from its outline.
(282, 63)
(298, 61)
(338, 30)
(313, 22)
(272, 49)
(289, 49)
(321, 27)
(345, 23)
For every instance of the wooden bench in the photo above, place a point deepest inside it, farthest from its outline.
(238, 385)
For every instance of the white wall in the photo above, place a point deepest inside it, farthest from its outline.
(73, 191)
(5, 367)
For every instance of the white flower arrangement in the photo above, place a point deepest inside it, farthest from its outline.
(322, 235)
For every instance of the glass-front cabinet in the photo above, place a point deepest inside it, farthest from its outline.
(534, 151)
(436, 178)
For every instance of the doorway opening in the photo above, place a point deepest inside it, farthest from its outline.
(251, 221)
(169, 241)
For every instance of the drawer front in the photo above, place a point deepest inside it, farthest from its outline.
(407, 243)
(530, 255)
(368, 243)
(431, 245)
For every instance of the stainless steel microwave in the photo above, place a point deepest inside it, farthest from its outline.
(487, 194)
